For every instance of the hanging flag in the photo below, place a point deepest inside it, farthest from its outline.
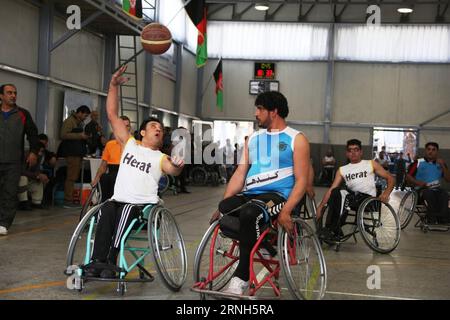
(196, 9)
(133, 8)
(219, 85)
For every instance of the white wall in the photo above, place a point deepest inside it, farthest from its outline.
(390, 93)
(188, 84)
(79, 59)
(19, 34)
(163, 92)
(303, 84)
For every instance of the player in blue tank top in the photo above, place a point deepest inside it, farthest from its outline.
(426, 174)
(274, 169)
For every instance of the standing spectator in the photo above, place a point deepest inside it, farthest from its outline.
(96, 139)
(33, 181)
(15, 123)
(73, 148)
(167, 141)
(400, 169)
(328, 163)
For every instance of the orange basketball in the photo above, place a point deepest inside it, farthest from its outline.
(156, 38)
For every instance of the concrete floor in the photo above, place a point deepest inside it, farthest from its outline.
(32, 258)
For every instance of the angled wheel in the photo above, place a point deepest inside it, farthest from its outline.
(221, 252)
(379, 225)
(215, 179)
(95, 197)
(163, 183)
(199, 176)
(406, 208)
(168, 248)
(302, 262)
(348, 227)
(82, 241)
(311, 208)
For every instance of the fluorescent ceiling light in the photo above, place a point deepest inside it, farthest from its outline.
(261, 7)
(405, 9)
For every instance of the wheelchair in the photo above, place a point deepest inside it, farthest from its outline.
(299, 258)
(162, 240)
(377, 222)
(203, 175)
(94, 198)
(412, 202)
(167, 182)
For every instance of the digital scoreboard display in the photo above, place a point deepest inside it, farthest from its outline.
(264, 70)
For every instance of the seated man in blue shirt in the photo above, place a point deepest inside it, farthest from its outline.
(274, 169)
(426, 173)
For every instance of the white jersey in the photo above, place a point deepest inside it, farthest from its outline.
(139, 174)
(360, 177)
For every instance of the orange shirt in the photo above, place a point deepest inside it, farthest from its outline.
(112, 152)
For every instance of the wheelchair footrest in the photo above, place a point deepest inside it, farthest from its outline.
(231, 296)
(116, 279)
(102, 266)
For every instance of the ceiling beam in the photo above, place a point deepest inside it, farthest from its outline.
(218, 8)
(271, 16)
(238, 16)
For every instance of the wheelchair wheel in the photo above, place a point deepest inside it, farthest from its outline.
(406, 208)
(222, 251)
(348, 227)
(302, 262)
(379, 225)
(82, 241)
(167, 245)
(199, 176)
(163, 183)
(215, 179)
(95, 197)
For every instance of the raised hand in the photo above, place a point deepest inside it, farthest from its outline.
(117, 78)
(177, 162)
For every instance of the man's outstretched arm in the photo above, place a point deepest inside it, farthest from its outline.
(112, 106)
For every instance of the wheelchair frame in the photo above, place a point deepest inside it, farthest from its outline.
(421, 210)
(151, 217)
(366, 226)
(167, 182)
(215, 280)
(208, 175)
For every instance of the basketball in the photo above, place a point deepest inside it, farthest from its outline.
(156, 38)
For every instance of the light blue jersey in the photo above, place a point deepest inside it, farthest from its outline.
(271, 158)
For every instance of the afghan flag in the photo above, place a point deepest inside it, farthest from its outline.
(133, 8)
(196, 9)
(219, 85)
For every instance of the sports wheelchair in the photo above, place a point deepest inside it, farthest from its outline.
(167, 182)
(162, 239)
(202, 175)
(413, 202)
(94, 198)
(377, 222)
(299, 258)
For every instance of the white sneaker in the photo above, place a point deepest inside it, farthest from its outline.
(237, 286)
(3, 231)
